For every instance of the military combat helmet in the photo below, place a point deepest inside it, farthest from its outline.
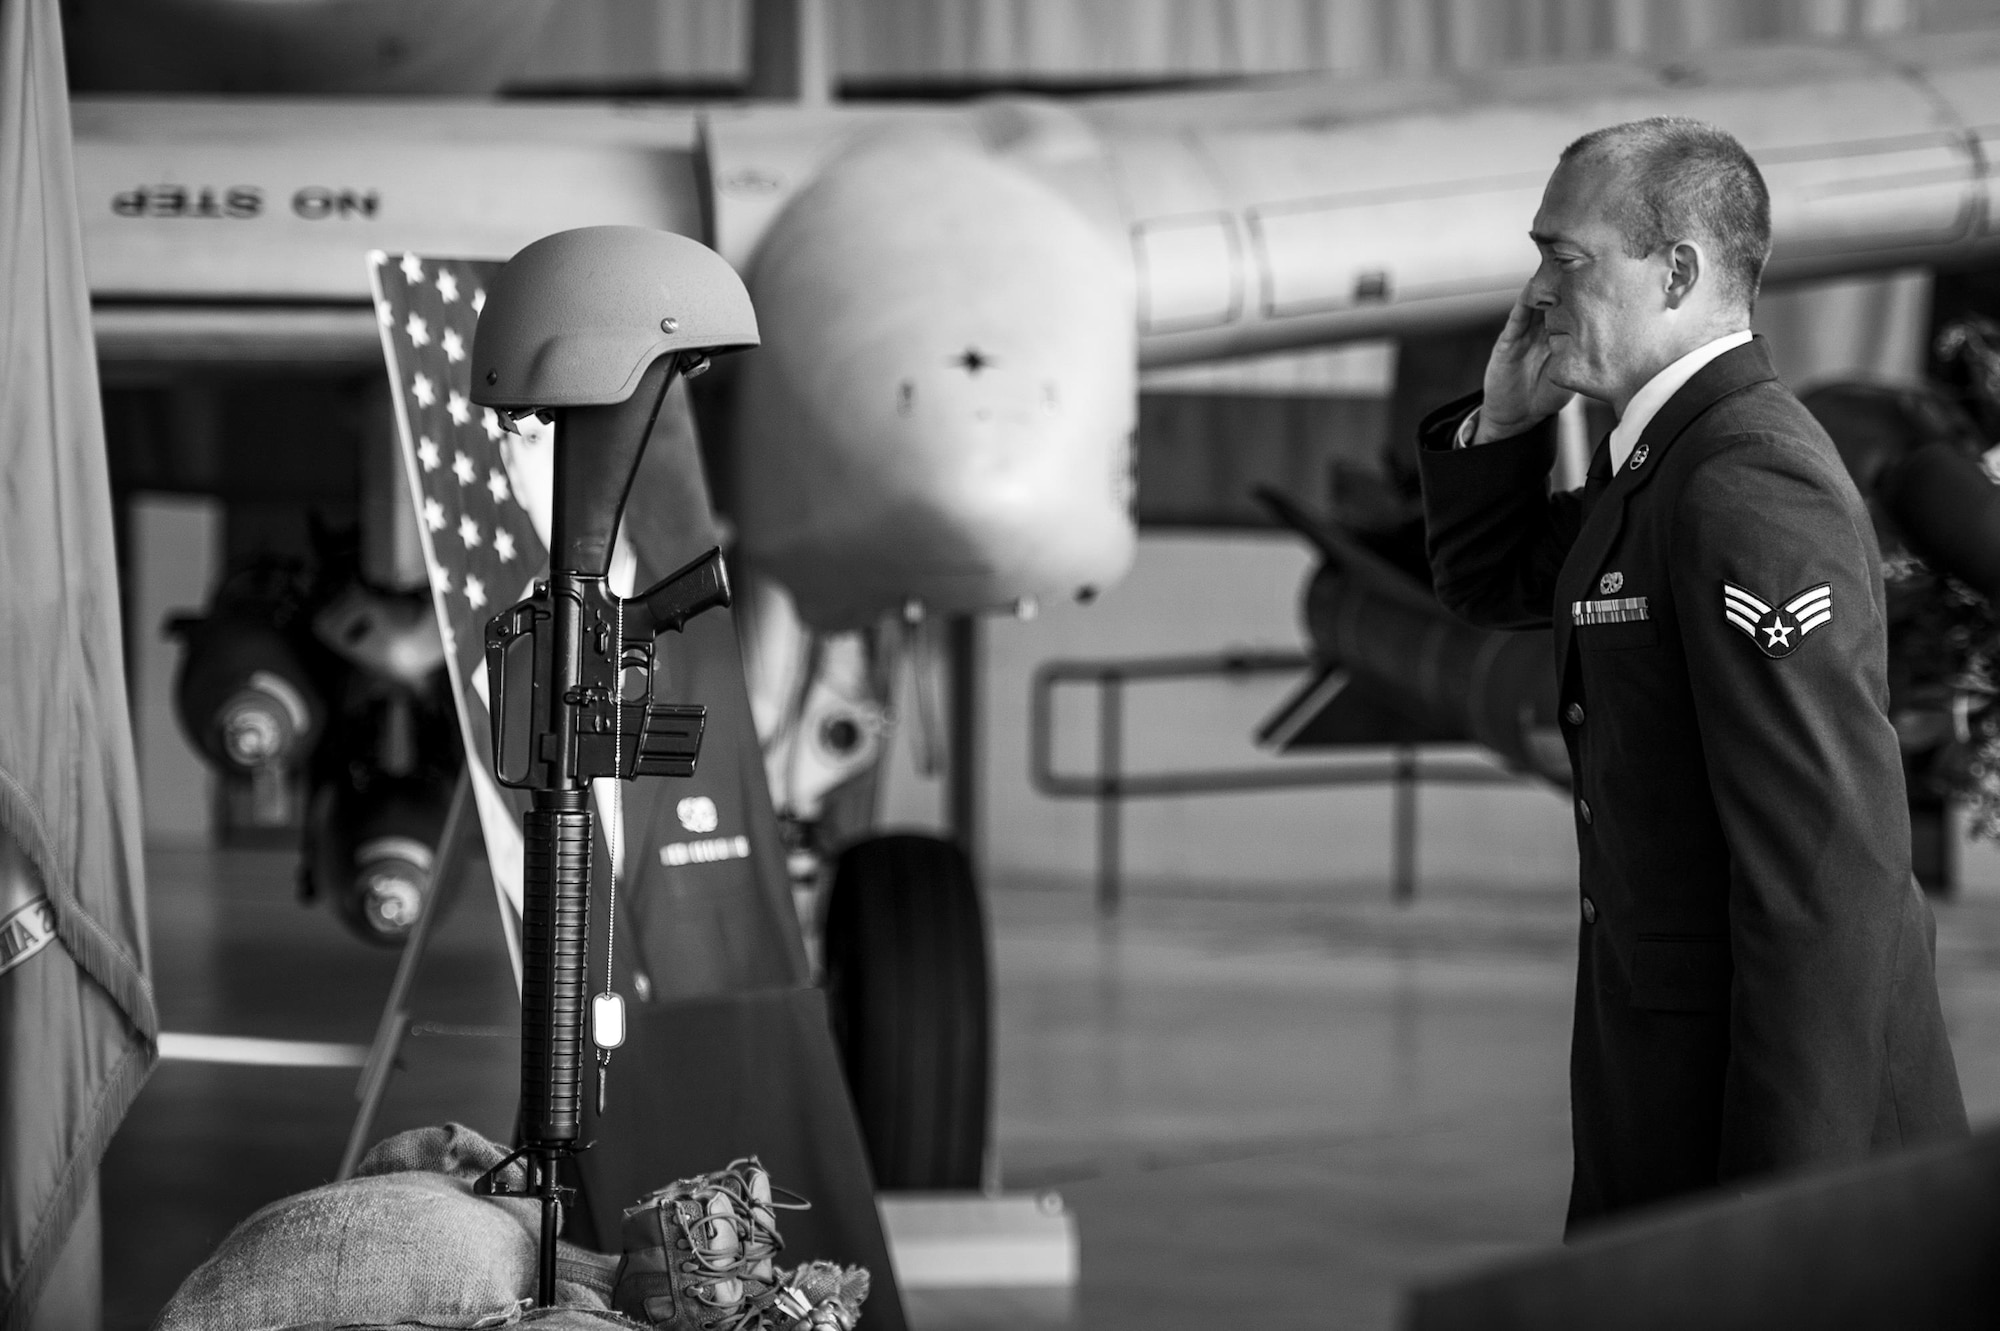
(575, 318)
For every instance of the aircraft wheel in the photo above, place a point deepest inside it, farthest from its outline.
(906, 981)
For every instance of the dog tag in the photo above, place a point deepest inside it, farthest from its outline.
(607, 1021)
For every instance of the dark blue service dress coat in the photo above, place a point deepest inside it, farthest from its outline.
(1755, 984)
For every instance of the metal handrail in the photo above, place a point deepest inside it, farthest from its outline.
(1111, 785)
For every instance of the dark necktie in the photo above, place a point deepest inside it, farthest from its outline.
(1598, 477)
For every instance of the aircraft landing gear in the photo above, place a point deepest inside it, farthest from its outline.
(908, 986)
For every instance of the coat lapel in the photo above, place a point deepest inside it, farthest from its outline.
(1732, 371)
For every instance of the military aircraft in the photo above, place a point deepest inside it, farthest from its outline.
(956, 299)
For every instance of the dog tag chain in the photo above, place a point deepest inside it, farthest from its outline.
(607, 1010)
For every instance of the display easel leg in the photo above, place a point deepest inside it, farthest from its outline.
(454, 845)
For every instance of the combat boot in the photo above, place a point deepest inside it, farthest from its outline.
(696, 1258)
(758, 1202)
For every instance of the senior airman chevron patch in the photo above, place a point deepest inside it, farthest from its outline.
(1778, 630)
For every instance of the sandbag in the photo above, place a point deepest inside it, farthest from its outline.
(404, 1241)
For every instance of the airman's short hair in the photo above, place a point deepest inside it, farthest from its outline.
(1688, 180)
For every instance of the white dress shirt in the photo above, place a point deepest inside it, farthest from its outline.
(1645, 403)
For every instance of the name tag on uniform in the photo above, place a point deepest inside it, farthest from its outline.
(1623, 610)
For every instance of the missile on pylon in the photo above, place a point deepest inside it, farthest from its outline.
(1396, 666)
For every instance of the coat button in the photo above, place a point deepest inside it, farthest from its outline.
(1589, 911)
(1583, 810)
(1574, 713)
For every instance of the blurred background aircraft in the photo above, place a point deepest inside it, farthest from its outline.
(957, 300)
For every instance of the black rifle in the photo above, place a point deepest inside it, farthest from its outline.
(563, 671)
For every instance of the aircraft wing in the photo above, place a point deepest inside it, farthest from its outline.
(1288, 213)
(1306, 211)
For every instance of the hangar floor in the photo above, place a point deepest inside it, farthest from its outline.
(1265, 1109)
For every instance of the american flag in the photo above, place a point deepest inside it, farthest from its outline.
(473, 484)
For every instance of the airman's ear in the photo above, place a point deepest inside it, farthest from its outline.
(1684, 271)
